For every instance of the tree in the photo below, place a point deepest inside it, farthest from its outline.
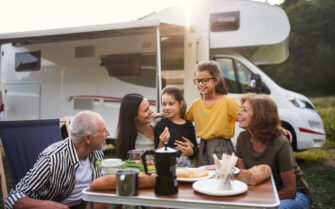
(311, 63)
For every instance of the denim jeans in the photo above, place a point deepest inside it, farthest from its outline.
(301, 201)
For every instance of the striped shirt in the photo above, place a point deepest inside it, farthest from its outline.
(53, 175)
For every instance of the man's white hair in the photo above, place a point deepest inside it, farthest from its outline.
(84, 123)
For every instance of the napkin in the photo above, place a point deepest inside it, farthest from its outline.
(225, 169)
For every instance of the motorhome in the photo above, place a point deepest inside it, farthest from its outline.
(57, 72)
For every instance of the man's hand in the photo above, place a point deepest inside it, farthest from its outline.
(51, 204)
(27, 203)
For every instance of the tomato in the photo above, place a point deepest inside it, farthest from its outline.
(137, 162)
(149, 162)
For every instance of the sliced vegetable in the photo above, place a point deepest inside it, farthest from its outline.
(138, 165)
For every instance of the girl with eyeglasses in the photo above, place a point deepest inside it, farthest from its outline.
(214, 113)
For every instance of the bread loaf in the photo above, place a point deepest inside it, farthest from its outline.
(255, 175)
(104, 183)
(108, 182)
(146, 181)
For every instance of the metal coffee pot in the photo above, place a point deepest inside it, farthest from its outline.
(165, 163)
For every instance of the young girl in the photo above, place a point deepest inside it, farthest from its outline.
(173, 129)
(214, 113)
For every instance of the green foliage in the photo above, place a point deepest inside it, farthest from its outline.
(321, 180)
(311, 63)
(328, 118)
(315, 155)
(326, 109)
(323, 102)
(319, 164)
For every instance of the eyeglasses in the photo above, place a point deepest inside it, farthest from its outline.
(203, 81)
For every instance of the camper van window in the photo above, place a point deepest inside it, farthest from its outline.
(122, 64)
(28, 61)
(138, 69)
(225, 21)
(227, 70)
(244, 75)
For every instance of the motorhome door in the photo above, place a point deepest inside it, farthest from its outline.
(22, 101)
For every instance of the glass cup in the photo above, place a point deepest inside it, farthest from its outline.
(127, 182)
(134, 155)
(184, 161)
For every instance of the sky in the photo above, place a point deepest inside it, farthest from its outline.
(28, 15)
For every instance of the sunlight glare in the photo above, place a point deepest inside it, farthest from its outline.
(188, 6)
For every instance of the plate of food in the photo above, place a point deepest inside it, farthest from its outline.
(212, 167)
(193, 174)
(211, 187)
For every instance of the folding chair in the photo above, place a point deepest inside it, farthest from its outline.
(23, 141)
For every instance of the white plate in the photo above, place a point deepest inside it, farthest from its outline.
(210, 187)
(210, 175)
(212, 167)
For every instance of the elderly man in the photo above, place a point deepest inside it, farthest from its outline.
(64, 168)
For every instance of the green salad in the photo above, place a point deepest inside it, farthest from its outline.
(138, 165)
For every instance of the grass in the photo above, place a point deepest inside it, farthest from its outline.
(323, 102)
(321, 180)
(316, 155)
(319, 164)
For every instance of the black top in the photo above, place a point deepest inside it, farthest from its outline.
(176, 132)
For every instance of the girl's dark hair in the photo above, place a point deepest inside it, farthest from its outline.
(213, 68)
(178, 95)
(126, 128)
(265, 123)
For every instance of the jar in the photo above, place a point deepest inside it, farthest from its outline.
(110, 165)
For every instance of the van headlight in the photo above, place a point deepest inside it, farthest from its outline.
(300, 103)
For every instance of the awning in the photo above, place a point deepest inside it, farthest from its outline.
(89, 32)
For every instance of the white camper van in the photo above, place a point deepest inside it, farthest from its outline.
(52, 73)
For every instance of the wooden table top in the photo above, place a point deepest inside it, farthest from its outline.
(263, 195)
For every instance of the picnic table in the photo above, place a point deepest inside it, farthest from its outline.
(263, 195)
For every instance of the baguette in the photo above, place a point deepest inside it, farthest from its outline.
(104, 183)
(255, 175)
(108, 182)
(146, 181)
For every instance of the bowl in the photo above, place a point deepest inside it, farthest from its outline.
(110, 165)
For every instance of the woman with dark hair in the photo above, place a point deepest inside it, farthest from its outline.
(134, 130)
(263, 142)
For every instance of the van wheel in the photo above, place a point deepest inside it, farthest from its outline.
(294, 140)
